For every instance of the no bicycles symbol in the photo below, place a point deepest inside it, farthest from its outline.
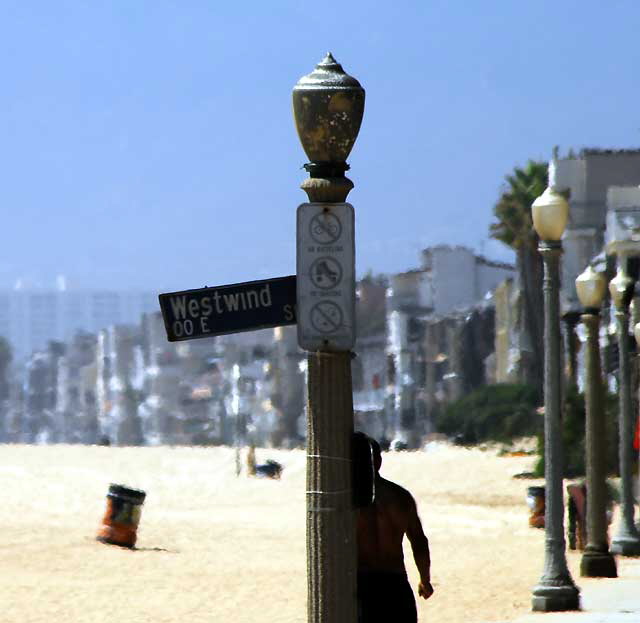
(325, 228)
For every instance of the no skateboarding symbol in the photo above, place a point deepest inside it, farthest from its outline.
(326, 317)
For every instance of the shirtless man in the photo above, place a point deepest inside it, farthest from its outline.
(384, 593)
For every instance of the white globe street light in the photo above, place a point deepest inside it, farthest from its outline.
(550, 213)
(591, 287)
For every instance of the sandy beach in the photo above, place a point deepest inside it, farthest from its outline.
(216, 547)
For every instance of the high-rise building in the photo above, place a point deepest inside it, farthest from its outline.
(29, 319)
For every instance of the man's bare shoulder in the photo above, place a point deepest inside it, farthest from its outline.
(399, 494)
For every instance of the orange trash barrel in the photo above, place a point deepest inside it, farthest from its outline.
(121, 519)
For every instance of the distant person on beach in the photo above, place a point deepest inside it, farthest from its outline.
(270, 469)
(384, 593)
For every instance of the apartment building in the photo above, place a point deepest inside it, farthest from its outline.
(29, 319)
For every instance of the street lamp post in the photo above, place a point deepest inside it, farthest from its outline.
(571, 319)
(556, 590)
(328, 107)
(636, 334)
(597, 561)
(627, 540)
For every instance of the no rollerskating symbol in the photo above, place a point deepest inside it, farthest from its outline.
(325, 273)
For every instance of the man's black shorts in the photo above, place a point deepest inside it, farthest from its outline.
(385, 597)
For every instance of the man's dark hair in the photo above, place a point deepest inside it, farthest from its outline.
(376, 452)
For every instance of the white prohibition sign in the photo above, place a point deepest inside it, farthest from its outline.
(325, 273)
(326, 317)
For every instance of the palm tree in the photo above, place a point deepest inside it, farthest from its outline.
(514, 228)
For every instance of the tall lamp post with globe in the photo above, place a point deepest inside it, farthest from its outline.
(556, 590)
(597, 561)
(328, 106)
(636, 434)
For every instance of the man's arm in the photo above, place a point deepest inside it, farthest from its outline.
(420, 548)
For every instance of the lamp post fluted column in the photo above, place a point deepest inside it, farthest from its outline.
(571, 319)
(627, 540)
(636, 334)
(556, 590)
(597, 560)
(328, 106)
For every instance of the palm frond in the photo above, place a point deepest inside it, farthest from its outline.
(514, 226)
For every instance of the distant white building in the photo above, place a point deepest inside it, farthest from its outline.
(589, 177)
(29, 319)
(451, 277)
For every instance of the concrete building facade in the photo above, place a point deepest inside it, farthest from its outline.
(457, 278)
(587, 177)
(29, 319)
(452, 279)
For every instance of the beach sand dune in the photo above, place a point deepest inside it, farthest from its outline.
(216, 547)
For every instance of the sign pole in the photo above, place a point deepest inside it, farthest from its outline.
(330, 104)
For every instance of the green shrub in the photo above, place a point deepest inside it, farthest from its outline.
(573, 436)
(499, 412)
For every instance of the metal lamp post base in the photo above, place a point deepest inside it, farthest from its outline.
(627, 545)
(595, 564)
(548, 598)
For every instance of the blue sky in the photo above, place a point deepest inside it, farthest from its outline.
(151, 144)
